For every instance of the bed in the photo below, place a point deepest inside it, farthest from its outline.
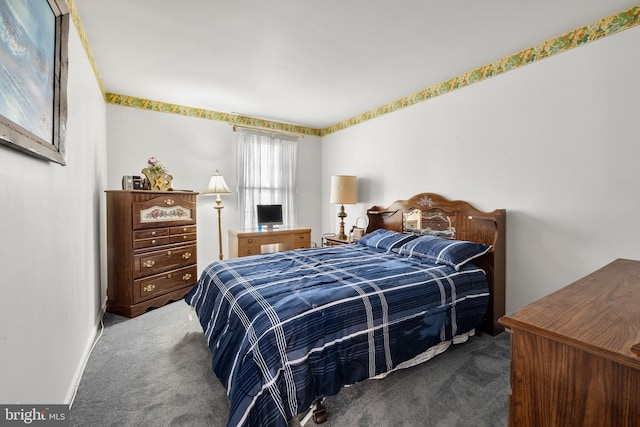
(287, 329)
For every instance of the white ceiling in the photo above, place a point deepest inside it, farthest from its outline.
(311, 63)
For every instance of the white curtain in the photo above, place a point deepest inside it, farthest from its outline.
(267, 173)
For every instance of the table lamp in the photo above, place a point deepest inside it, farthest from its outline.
(343, 191)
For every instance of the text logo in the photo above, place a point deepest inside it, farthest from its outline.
(34, 415)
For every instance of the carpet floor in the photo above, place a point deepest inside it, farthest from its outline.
(155, 370)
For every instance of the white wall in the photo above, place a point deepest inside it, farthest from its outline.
(51, 252)
(554, 143)
(192, 149)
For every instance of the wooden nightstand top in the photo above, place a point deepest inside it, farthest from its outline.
(334, 241)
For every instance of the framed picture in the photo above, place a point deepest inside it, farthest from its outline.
(33, 76)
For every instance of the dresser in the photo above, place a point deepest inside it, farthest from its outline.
(151, 249)
(575, 354)
(258, 241)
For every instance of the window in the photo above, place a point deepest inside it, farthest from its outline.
(266, 174)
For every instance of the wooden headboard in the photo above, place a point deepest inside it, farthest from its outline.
(468, 223)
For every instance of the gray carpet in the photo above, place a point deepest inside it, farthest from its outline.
(155, 370)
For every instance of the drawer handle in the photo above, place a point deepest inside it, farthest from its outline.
(169, 276)
(186, 255)
(184, 237)
(149, 288)
(184, 229)
(149, 263)
(153, 242)
(250, 252)
(169, 253)
(169, 202)
(301, 236)
(153, 233)
(250, 240)
(186, 276)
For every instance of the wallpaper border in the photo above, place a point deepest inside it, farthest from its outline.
(604, 27)
(201, 113)
(580, 36)
(75, 18)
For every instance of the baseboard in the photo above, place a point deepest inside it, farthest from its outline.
(77, 377)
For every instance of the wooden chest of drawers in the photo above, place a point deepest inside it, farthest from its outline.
(151, 249)
(254, 242)
(575, 354)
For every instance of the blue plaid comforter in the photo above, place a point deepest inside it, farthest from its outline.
(288, 328)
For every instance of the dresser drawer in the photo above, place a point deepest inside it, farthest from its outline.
(150, 234)
(164, 210)
(149, 243)
(249, 241)
(153, 262)
(301, 240)
(152, 286)
(182, 234)
(249, 250)
(185, 229)
(150, 238)
(249, 246)
(182, 238)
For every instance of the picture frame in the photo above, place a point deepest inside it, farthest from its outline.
(33, 79)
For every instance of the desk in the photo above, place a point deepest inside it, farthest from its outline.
(573, 353)
(257, 241)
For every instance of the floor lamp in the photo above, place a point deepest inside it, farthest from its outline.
(217, 186)
(343, 191)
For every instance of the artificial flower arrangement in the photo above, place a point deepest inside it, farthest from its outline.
(158, 177)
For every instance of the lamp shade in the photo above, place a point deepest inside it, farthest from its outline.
(217, 185)
(343, 189)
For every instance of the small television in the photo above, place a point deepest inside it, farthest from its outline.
(269, 215)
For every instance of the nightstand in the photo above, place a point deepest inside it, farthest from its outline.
(333, 240)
